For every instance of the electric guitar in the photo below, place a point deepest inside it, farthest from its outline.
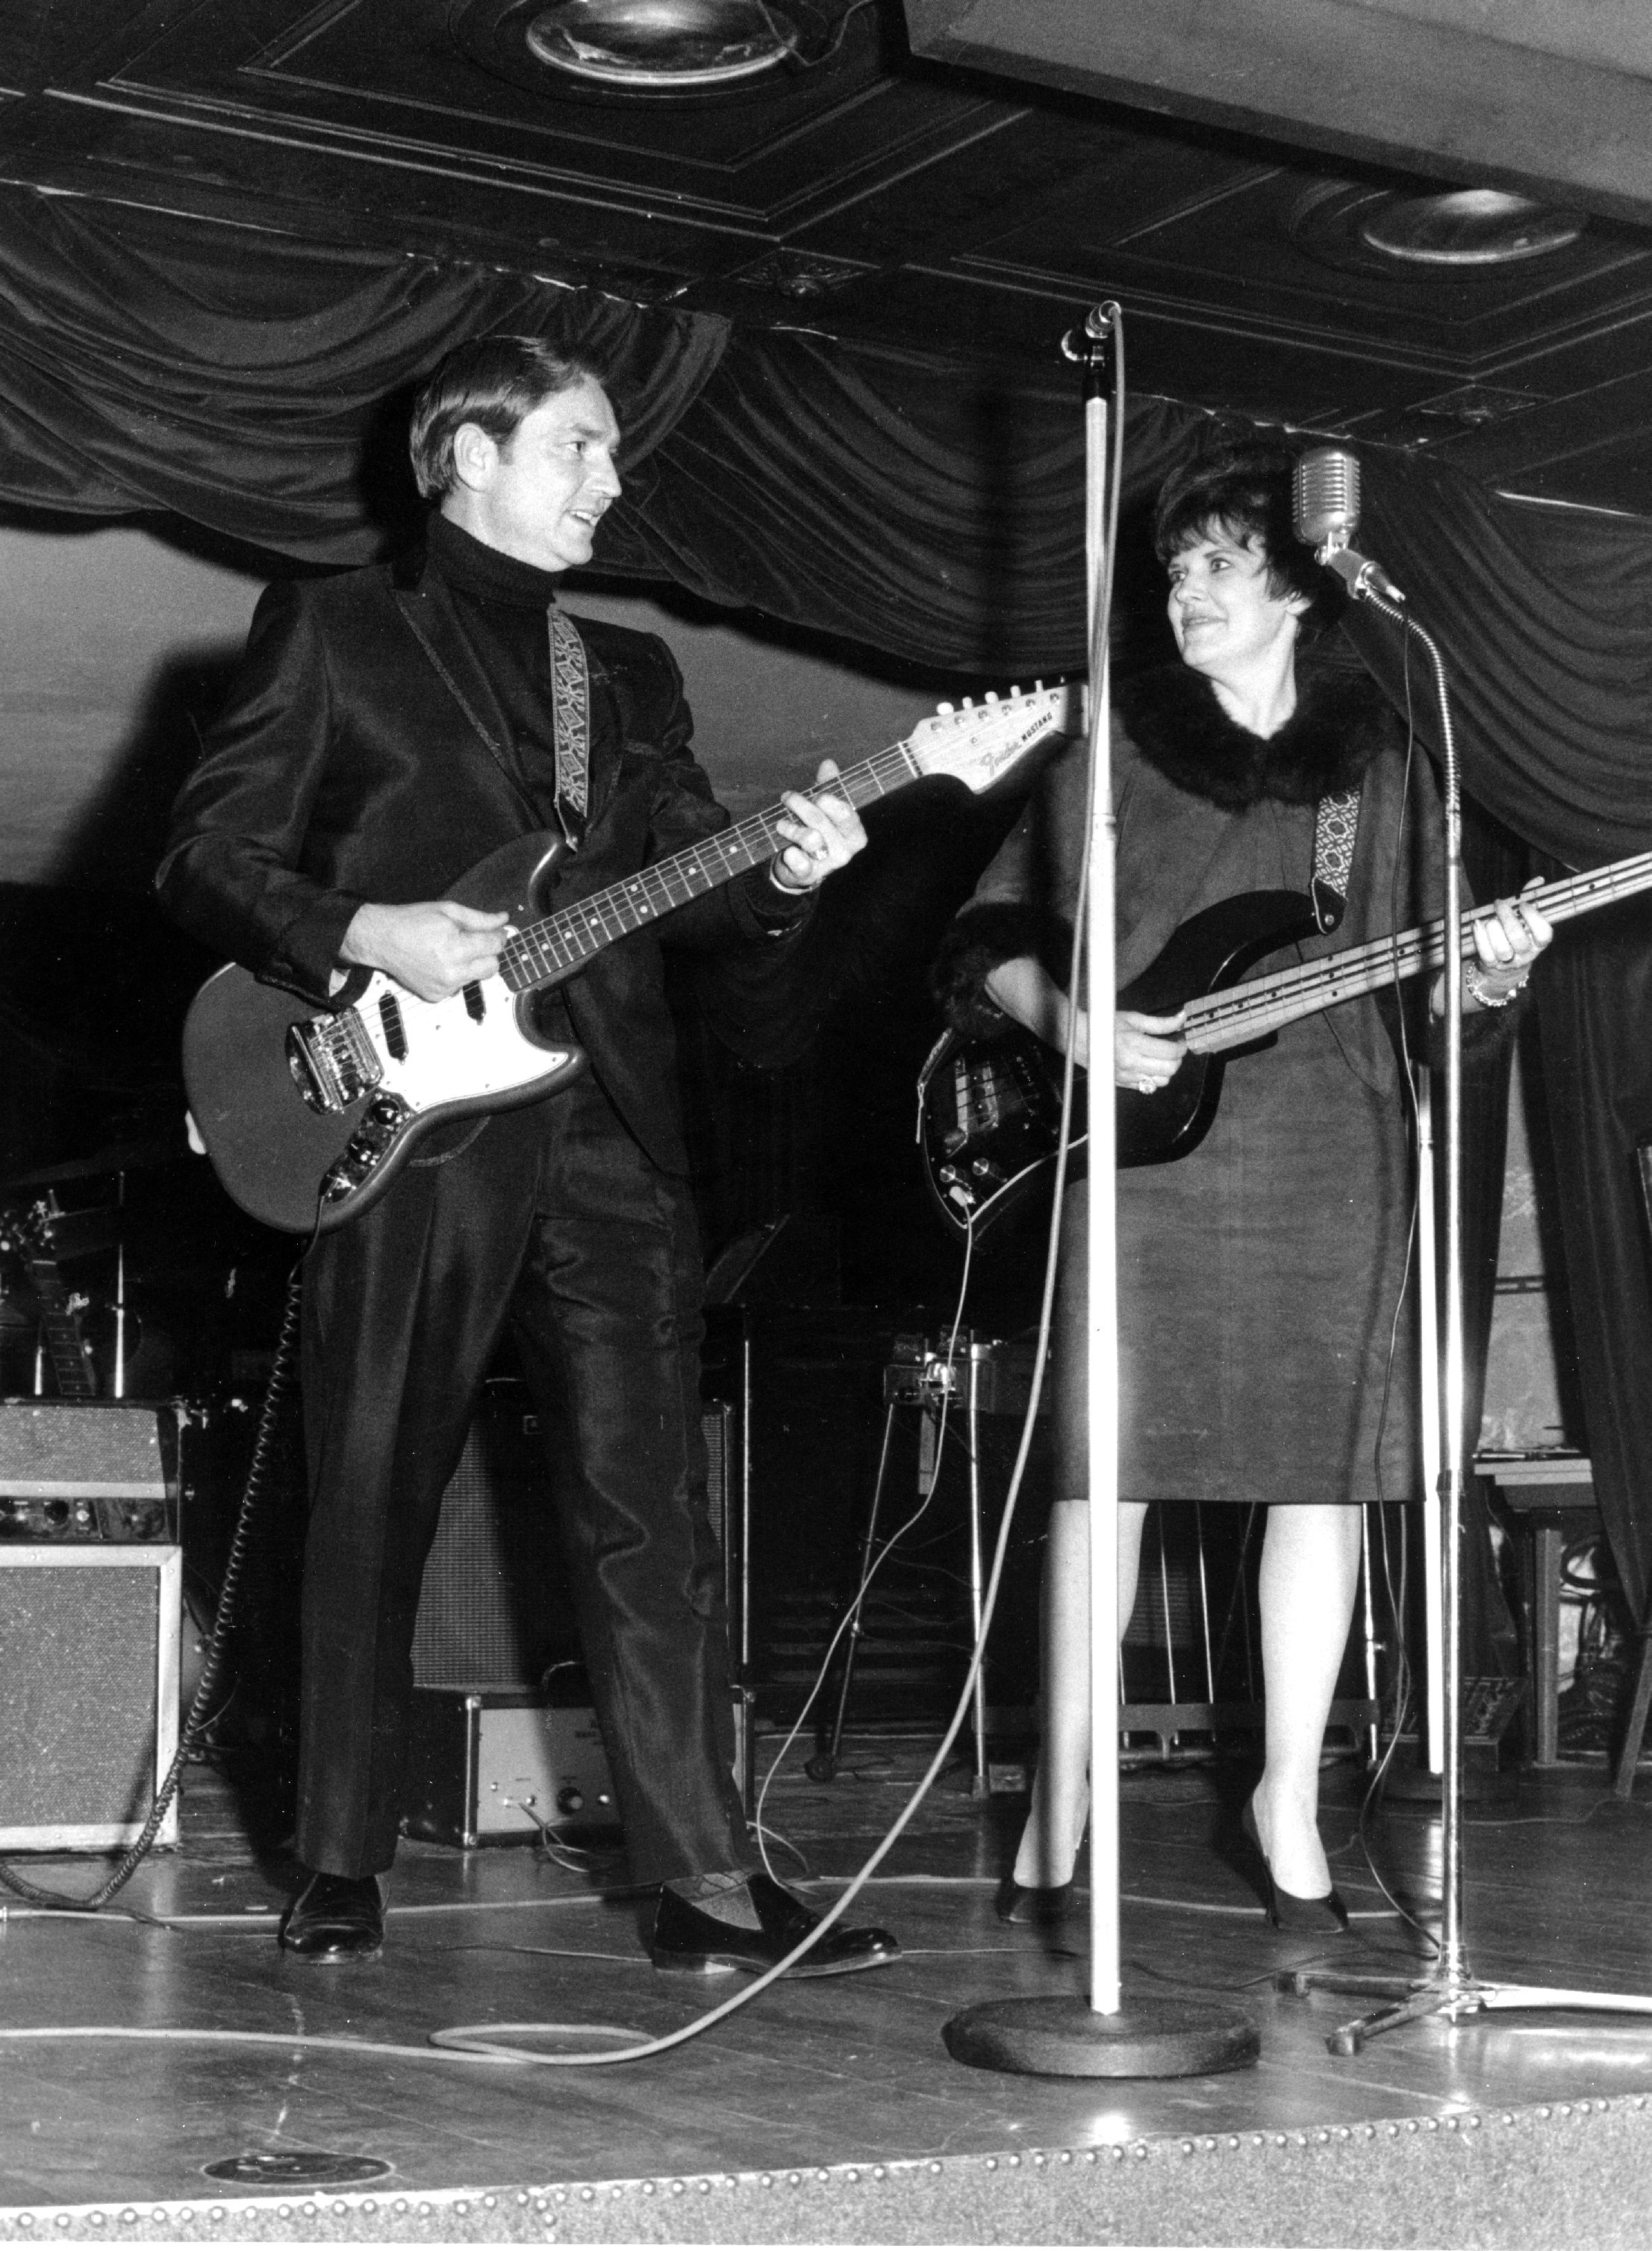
(990, 1109)
(307, 1115)
(28, 1233)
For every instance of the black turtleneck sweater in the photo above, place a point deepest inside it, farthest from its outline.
(500, 603)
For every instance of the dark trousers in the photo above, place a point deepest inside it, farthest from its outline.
(550, 1219)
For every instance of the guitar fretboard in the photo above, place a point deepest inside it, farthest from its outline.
(1246, 1012)
(563, 940)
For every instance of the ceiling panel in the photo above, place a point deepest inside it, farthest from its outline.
(873, 194)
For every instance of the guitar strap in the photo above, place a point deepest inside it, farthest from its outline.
(1334, 830)
(570, 718)
(569, 713)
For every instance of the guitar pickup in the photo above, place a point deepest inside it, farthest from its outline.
(332, 1060)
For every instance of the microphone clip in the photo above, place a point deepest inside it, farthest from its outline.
(1365, 580)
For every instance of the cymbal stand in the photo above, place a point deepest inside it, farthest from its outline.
(1451, 1990)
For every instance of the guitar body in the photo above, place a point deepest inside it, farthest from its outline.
(308, 1115)
(1210, 952)
(991, 1108)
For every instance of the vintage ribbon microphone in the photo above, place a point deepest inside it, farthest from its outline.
(1326, 497)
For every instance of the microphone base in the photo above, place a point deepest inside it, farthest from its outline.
(1162, 2036)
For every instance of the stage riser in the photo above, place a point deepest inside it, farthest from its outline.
(1526, 2180)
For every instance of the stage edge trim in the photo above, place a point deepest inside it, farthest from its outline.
(1190, 2189)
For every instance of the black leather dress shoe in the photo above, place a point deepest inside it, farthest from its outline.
(335, 1919)
(686, 1937)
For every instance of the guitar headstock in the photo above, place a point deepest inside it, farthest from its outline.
(977, 743)
(26, 1228)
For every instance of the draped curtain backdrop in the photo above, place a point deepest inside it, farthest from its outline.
(927, 506)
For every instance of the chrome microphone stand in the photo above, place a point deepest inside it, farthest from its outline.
(1107, 2035)
(1451, 1989)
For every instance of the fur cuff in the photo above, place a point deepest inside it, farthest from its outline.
(978, 940)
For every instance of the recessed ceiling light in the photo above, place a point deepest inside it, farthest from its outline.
(1467, 226)
(663, 47)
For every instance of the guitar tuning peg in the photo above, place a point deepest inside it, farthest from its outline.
(991, 695)
(1014, 692)
(944, 709)
(969, 703)
(1038, 687)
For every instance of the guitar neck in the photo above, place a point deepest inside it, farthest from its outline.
(561, 942)
(1230, 1019)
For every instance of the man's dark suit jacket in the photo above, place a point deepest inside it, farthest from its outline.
(346, 769)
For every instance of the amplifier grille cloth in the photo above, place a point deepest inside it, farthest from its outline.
(77, 1719)
(495, 1611)
(98, 1445)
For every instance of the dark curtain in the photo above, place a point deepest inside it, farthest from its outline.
(259, 385)
(1544, 617)
(1595, 1006)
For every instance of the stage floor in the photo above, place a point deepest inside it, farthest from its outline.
(830, 2110)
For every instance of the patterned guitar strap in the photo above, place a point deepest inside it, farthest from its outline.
(570, 720)
(1334, 830)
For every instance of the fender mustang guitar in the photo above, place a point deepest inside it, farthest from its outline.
(989, 1110)
(308, 1115)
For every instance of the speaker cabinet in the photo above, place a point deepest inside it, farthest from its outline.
(495, 1611)
(89, 1723)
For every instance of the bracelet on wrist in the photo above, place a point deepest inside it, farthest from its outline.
(1474, 981)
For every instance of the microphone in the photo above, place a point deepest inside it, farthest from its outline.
(1326, 495)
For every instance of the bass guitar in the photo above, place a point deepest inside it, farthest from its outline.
(990, 1108)
(308, 1115)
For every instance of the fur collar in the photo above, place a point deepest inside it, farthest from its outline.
(1174, 718)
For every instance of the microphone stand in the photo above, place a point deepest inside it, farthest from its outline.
(1161, 2036)
(1451, 1990)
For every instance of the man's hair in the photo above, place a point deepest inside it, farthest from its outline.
(492, 381)
(1242, 488)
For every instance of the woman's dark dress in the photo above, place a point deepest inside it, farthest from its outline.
(1263, 1340)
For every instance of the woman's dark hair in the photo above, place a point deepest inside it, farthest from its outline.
(1244, 486)
(494, 382)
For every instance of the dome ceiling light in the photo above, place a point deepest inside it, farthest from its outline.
(677, 49)
(651, 45)
(1447, 237)
(1469, 226)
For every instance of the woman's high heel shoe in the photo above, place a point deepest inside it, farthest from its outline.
(1288, 1910)
(1044, 1904)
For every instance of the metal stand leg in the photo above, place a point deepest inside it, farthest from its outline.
(978, 1783)
(823, 1765)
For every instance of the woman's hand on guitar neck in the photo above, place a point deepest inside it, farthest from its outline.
(1147, 1051)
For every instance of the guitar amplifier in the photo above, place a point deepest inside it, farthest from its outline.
(85, 1469)
(89, 1635)
(491, 1767)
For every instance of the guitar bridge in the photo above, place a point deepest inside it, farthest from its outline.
(333, 1062)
